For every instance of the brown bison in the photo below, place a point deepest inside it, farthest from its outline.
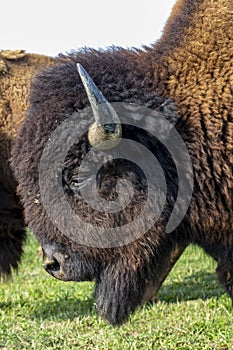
(16, 71)
(192, 65)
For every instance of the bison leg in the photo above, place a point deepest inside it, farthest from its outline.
(12, 233)
(225, 269)
(164, 264)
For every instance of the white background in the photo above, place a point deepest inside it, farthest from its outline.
(53, 26)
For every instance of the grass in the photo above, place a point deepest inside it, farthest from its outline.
(39, 312)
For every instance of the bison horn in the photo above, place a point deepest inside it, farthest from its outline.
(106, 131)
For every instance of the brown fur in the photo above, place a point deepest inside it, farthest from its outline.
(16, 71)
(192, 64)
(199, 77)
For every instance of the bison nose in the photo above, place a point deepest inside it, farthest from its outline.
(54, 262)
(51, 265)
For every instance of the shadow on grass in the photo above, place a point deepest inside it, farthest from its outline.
(65, 309)
(201, 285)
(61, 309)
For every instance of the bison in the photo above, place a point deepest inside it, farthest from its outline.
(16, 71)
(185, 78)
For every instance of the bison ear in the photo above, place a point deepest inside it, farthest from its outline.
(169, 111)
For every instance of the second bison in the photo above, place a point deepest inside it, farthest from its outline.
(16, 72)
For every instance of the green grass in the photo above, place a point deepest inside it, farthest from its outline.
(39, 312)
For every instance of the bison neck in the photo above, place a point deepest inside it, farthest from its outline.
(193, 63)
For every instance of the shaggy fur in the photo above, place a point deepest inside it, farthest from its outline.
(190, 64)
(16, 72)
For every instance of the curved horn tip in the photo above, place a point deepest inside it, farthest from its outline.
(81, 70)
(106, 131)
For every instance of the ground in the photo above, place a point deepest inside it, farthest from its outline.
(39, 312)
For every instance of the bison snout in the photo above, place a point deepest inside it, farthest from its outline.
(53, 264)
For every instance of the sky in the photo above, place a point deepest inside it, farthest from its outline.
(53, 26)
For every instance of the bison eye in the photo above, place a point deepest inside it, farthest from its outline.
(77, 182)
